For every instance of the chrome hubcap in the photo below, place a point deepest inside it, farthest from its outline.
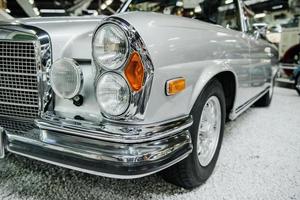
(209, 130)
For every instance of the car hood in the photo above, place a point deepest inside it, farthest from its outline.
(70, 36)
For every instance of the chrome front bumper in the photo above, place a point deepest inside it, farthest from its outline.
(117, 151)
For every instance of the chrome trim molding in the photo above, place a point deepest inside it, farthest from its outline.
(238, 111)
(109, 159)
(41, 40)
(138, 100)
(114, 132)
(2, 150)
(178, 159)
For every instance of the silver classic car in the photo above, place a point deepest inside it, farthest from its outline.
(135, 93)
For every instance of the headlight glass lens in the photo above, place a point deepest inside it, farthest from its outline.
(110, 47)
(113, 94)
(66, 78)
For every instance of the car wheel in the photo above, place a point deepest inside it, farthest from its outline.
(207, 133)
(297, 84)
(266, 100)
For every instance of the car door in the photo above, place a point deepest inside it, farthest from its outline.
(238, 51)
(260, 56)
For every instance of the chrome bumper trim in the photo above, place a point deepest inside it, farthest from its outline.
(108, 175)
(109, 131)
(109, 159)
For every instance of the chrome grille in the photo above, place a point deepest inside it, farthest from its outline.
(13, 125)
(18, 79)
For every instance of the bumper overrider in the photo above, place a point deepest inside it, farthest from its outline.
(111, 150)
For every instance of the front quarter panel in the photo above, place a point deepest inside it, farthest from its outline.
(194, 50)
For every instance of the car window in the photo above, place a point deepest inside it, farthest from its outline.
(222, 12)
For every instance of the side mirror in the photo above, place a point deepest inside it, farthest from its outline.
(260, 30)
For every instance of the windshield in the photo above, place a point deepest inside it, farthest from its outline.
(222, 12)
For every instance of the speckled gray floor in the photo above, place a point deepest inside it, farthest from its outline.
(260, 159)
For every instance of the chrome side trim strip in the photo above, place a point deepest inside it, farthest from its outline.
(122, 133)
(247, 105)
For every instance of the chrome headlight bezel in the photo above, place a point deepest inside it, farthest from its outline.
(138, 99)
(127, 46)
(79, 77)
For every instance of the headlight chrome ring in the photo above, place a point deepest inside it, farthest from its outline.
(113, 94)
(139, 87)
(110, 47)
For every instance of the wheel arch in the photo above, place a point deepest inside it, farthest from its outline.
(291, 50)
(228, 80)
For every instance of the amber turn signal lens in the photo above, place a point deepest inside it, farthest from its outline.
(134, 72)
(175, 86)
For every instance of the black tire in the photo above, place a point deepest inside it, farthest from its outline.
(266, 100)
(189, 173)
(297, 83)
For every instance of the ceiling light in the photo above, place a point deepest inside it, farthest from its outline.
(198, 9)
(7, 10)
(52, 11)
(103, 6)
(228, 1)
(36, 11)
(108, 2)
(179, 3)
(277, 7)
(260, 15)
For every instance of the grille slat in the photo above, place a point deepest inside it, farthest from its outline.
(12, 125)
(18, 79)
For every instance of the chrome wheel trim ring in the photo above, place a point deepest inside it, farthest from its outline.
(209, 130)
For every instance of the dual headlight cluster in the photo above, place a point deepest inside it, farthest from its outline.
(120, 71)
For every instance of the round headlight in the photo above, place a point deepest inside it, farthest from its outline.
(110, 47)
(66, 78)
(113, 94)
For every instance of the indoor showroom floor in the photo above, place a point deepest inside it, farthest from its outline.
(260, 159)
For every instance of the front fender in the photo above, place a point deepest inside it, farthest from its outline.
(182, 47)
(197, 75)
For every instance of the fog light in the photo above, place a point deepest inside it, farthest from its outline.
(66, 78)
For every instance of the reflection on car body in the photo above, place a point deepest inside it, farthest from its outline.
(139, 93)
